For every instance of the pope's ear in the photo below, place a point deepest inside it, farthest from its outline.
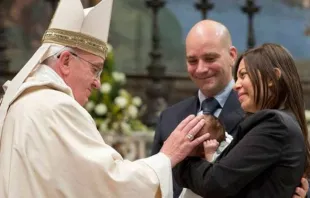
(64, 60)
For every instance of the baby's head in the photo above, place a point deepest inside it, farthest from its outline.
(214, 127)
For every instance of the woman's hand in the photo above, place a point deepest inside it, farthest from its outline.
(301, 192)
(182, 140)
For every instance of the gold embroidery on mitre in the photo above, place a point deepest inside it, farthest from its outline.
(74, 39)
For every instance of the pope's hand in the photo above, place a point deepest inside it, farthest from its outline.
(181, 141)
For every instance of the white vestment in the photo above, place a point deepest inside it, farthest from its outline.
(50, 147)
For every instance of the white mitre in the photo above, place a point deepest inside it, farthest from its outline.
(72, 26)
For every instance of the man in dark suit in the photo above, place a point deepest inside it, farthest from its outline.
(210, 57)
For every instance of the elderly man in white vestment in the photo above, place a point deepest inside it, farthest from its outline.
(49, 144)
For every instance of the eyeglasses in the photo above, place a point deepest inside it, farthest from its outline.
(95, 69)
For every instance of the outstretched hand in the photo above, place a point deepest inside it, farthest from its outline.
(182, 140)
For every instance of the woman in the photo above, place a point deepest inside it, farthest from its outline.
(270, 153)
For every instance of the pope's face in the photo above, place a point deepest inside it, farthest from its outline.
(84, 76)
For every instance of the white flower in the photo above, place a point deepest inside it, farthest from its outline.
(120, 101)
(110, 48)
(103, 127)
(132, 111)
(105, 88)
(123, 92)
(125, 127)
(89, 106)
(101, 109)
(119, 77)
(136, 101)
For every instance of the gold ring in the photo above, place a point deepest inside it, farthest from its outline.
(190, 137)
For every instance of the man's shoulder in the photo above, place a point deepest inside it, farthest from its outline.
(232, 101)
(182, 105)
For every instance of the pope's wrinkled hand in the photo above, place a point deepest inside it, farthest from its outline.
(182, 140)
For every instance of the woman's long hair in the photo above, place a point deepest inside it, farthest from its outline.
(286, 90)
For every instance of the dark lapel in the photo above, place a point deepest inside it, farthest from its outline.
(231, 113)
(190, 107)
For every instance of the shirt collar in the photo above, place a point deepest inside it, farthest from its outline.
(220, 97)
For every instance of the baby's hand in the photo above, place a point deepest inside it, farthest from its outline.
(210, 147)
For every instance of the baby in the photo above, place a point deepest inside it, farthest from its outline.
(218, 141)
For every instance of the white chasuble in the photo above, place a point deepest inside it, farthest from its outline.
(50, 147)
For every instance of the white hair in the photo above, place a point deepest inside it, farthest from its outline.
(53, 53)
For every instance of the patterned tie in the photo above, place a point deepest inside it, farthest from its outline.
(209, 105)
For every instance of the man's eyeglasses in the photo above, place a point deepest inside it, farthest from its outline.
(96, 70)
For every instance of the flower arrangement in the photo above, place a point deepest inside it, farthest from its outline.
(113, 108)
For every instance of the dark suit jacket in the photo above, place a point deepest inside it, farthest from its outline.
(230, 116)
(266, 159)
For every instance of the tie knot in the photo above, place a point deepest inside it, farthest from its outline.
(209, 105)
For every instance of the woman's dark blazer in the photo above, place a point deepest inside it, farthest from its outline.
(266, 159)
